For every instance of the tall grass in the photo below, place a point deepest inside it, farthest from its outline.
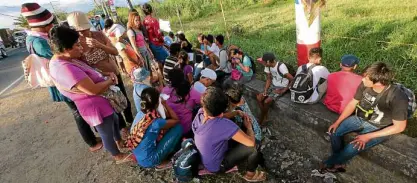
(380, 30)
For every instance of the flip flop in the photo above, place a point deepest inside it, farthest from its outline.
(206, 172)
(258, 177)
(128, 158)
(165, 166)
(96, 149)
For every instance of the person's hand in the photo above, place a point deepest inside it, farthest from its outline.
(93, 43)
(113, 77)
(360, 141)
(247, 122)
(163, 102)
(333, 127)
(280, 91)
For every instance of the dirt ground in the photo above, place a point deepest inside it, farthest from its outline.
(40, 143)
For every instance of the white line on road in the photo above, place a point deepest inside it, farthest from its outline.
(11, 85)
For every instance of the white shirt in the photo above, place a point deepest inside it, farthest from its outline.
(277, 80)
(318, 72)
(198, 86)
(215, 49)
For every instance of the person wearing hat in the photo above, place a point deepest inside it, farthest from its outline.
(96, 50)
(156, 38)
(207, 78)
(41, 22)
(278, 79)
(341, 85)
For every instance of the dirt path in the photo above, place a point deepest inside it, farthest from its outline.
(40, 143)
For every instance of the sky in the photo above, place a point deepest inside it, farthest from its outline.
(12, 7)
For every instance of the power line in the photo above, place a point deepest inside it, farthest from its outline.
(8, 15)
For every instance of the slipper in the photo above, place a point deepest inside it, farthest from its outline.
(128, 158)
(206, 172)
(97, 148)
(163, 167)
(258, 177)
(323, 169)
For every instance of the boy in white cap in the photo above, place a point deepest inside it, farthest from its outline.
(208, 77)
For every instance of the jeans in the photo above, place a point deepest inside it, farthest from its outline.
(128, 111)
(83, 127)
(341, 152)
(239, 153)
(137, 91)
(110, 133)
(198, 67)
(146, 56)
(166, 146)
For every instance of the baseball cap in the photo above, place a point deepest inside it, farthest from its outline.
(349, 60)
(208, 73)
(268, 57)
(140, 74)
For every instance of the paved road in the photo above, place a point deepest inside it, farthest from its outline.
(11, 69)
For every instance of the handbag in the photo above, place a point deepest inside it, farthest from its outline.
(236, 75)
(116, 98)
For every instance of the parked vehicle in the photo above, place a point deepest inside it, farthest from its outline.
(20, 38)
(3, 52)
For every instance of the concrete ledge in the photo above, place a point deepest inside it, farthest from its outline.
(398, 154)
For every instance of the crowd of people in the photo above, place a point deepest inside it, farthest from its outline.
(182, 92)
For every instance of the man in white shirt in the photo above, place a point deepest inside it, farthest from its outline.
(320, 74)
(278, 75)
(212, 51)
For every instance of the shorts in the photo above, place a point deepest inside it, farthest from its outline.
(270, 93)
(159, 52)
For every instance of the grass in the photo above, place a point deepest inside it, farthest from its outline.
(382, 30)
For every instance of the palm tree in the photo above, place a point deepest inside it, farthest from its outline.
(21, 22)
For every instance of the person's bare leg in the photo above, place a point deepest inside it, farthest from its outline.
(265, 110)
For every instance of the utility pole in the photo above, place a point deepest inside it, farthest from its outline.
(130, 4)
(53, 7)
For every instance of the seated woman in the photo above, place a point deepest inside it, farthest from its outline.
(212, 134)
(182, 99)
(85, 86)
(243, 71)
(153, 138)
(239, 109)
(184, 65)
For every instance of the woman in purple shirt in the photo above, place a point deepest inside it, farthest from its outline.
(84, 85)
(182, 99)
(213, 132)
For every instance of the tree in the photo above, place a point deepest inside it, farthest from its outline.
(21, 22)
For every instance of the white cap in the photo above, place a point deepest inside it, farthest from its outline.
(208, 73)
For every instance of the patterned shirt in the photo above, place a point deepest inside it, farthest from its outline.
(154, 33)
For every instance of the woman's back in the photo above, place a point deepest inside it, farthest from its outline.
(184, 110)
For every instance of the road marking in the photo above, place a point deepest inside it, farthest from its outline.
(11, 85)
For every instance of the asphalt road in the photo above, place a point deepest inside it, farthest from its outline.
(11, 71)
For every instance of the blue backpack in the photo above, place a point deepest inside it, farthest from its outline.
(185, 162)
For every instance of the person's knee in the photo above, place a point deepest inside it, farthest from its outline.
(268, 101)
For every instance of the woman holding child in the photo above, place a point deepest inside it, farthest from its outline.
(242, 71)
(214, 135)
(153, 138)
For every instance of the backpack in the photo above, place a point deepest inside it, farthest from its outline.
(290, 68)
(36, 69)
(185, 162)
(412, 105)
(252, 61)
(302, 88)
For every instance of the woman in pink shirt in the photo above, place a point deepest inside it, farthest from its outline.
(84, 85)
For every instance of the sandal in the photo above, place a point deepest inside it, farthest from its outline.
(259, 176)
(128, 158)
(206, 172)
(97, 147)
(323, 169)
(163, 166)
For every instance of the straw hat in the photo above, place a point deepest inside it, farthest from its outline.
(79, 21)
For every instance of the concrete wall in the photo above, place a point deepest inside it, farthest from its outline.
(298, 141)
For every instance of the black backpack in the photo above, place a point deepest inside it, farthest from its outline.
(185, 162)
(302, 87)
(252, 61)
